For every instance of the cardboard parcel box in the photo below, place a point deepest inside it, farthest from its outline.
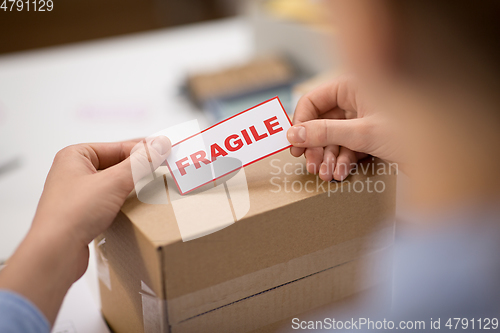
(302, 244)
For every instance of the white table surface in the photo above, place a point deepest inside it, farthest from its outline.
(106, 90)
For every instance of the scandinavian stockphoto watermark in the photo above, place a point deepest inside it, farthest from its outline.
(284, 178)
(383, 324)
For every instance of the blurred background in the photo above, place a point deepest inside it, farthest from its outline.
(80, 20)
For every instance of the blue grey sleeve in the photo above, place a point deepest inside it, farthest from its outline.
(17, 314)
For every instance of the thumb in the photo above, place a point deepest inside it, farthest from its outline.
(349, 133)
(146, 156)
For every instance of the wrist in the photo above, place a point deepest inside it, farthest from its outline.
(57, 252)
(44, 258)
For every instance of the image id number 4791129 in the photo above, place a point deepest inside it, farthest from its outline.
(27, 5)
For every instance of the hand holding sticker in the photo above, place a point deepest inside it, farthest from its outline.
(248, 137)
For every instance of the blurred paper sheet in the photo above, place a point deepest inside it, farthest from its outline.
(79, 312)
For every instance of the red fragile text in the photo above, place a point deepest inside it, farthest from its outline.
(232, 143)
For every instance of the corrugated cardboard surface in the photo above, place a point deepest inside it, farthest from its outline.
(290, 299)
(352, 306)
(288, 245)
(216, 296)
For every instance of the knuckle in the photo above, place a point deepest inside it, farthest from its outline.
(123, 149)
(65, 152)
(137, 147)
(320, 133)
(347, 78)
(302, 100)
(304, 104)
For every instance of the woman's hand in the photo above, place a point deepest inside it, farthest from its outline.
(88, 183)
(84, 190)
(334, 127)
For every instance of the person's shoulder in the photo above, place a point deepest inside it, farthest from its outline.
(452, 269)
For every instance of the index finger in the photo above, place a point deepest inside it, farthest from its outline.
(339, 93)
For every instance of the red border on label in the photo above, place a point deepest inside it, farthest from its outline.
(206, 129)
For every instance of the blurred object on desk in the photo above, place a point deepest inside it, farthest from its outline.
(233, 89)
(303, 11)
(10, 157)
(79, 20)
(7, 165)
(222, 108)
(257, 74)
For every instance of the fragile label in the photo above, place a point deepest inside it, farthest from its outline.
(233, 143)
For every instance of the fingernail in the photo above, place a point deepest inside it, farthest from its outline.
(297, 134)
(161, 144)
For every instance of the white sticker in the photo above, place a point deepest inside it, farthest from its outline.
(236, 142)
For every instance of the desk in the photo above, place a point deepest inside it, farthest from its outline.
(106, 90)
